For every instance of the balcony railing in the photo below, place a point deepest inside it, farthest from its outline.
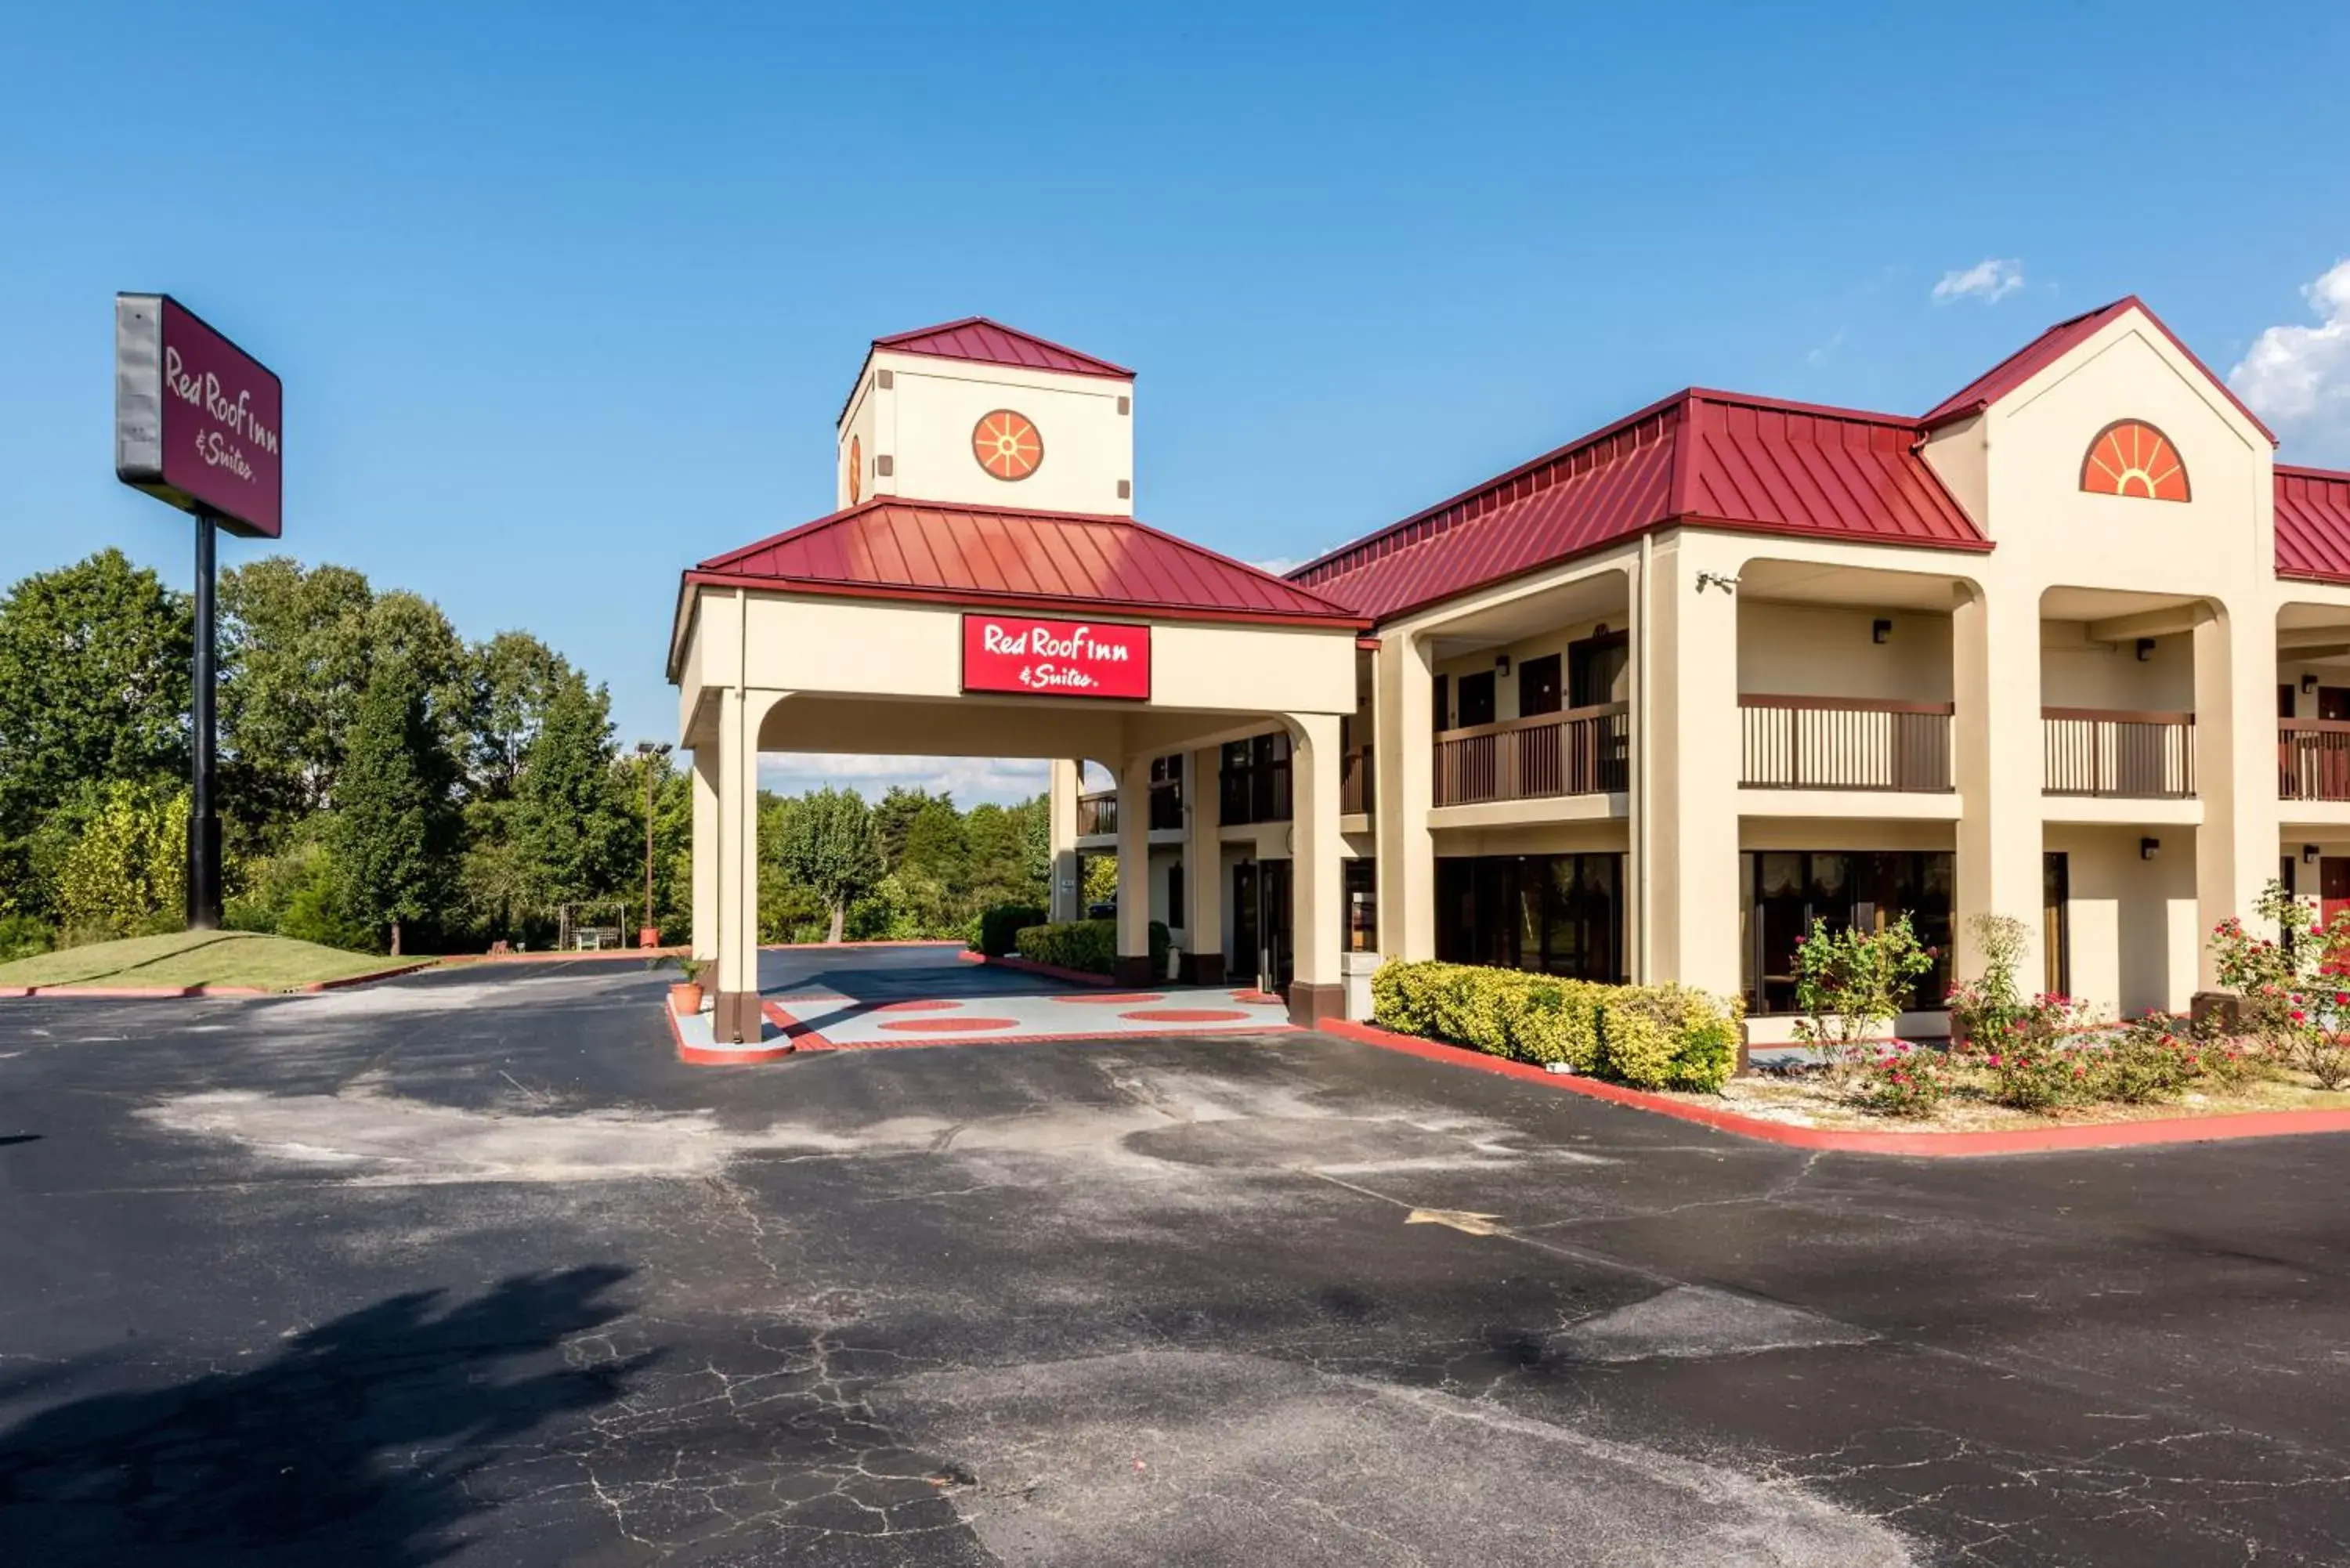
(1582, 751)
(1355, 792)
(1097, 814)
(2106, 751)
(1843, 743)
(2313, 759)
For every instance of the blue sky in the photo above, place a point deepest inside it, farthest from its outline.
(566, 298)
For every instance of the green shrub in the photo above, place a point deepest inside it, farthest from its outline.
(1088, 945)
(23, 935)
(996, 931)
(1655, 1037)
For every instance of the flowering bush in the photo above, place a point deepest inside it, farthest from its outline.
(1985, 1007)
(1851, 984)
(1904, 1081)
(2039, 1063)
(2294, 992)
(2148, 1059)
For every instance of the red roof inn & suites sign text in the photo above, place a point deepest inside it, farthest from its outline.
(197, 420)
(1035, 658)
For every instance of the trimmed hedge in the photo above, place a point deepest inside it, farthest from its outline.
(997, 930)
(1647, 1036)
(1088, 945)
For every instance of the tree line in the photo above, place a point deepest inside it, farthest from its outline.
(387, 785)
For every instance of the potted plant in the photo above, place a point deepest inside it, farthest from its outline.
(685, 996)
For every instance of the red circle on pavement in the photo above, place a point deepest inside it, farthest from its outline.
(948, 1025)
(1260, 998)
(1185, 1015)
(931, 1004)
(1121, 996)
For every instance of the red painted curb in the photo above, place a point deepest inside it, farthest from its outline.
(890, 943)
(180, 992)
(557, 956)
(371, 976)
(1050, 972)
(1946, 1146)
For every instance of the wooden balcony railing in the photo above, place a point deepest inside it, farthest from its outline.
(1582, 751)
(2106, 752)
(1843, 743)
(1355, 792)
(1097, 814)
(2313, 759)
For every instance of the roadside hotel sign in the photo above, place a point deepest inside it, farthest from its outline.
(199, 423)
(197, 420)
(1033, 657)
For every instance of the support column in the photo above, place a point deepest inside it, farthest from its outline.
(705, 852)
(1998, 764)
(1403, 687)
(1203, 865)
(1690, 783)
(736, 1017)
(1318, 921)
(2236, 848)
(1134, 873)
(1066, 898)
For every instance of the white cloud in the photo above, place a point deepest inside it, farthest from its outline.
(2298, 378)
(1990, 280)
(1281, 565)
(970, 780)
(1825, 352)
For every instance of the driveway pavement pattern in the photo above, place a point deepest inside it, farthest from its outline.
(469, 1269)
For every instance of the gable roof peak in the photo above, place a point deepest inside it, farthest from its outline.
(984, 340)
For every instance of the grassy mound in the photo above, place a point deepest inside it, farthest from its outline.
(193, 958)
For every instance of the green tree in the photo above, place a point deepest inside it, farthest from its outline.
(893, 819)
(295, 659)
(93, 684)
(394, 817)
(570, 828)
(829, 848)
(937, 849)
(512, 678)
(126, 871)
(1100, 881)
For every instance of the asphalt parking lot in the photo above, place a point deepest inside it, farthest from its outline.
(468, 1269)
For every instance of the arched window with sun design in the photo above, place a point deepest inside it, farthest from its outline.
(2130, 457)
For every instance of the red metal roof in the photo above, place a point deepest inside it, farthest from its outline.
(993, 343)
(1053, 562)
(2051, 345)
(1699, 457)
(2313, 524)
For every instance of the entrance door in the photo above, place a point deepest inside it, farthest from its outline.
(1539, 690)
(2332, 887)
(1273, 919)
(2332, 760)
(1476, 699)
(2056, 922)
(1242, 959)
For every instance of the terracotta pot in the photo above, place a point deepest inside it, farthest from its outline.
(686, 996)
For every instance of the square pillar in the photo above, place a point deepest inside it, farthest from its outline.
(1134, 873)
(1318, 921)
(1689, 804)
(1403, 731)
(1203, 867)
(705, 853)
(1999, 767)
(1066, 898)
(2236, 849)
(736, 1017)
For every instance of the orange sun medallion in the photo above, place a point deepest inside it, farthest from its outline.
(1007, 445)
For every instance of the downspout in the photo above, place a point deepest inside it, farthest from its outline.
(1640, 743)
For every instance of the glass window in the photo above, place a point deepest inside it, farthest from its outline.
(1360, 880)
(1787, 891)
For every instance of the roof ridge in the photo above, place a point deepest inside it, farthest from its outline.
(897, 341)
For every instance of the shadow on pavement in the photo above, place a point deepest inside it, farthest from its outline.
(352, 1445)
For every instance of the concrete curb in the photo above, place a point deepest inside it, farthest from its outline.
(177, 993)
(1945, 1146)
(1050, 972)
(705, 1057)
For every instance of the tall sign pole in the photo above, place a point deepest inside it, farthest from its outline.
(198, 424)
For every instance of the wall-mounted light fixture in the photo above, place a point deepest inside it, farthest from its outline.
(2308, 685)
(2148, 849)
(1880, 631)
(2309, 855)
(1716, 580)
(2144, 649)
(1501, 663)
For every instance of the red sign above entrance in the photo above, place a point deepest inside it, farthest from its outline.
(197, 420)
(1054, 657)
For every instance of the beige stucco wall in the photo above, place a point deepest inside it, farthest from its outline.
(2076, 672)
(924, 422)
(1505, 683)
(1829, 651)
(2133, 921)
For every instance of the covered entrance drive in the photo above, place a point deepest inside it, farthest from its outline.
(936, 629)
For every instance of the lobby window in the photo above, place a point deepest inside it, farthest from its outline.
(1552, 914)
(1177, 915)
(1254, 786)
(1783, 890)
(1166, 792)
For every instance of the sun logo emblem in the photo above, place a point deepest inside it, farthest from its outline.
(1007, 445)
(2130, 457)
